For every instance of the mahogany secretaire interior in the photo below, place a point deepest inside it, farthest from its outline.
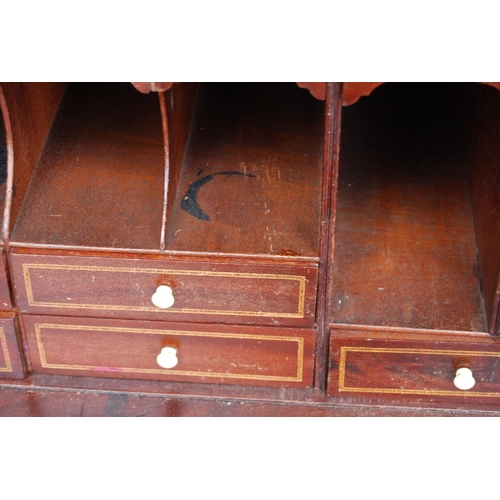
(329, 246)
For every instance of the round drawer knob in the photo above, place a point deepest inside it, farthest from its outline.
(463, 379)
(167, 357)
(163, 297)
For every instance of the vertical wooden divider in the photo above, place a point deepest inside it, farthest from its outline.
(333, 114)
(177, 107)
(484, 151)
(30, 111)
(164, 124)
(4, 115)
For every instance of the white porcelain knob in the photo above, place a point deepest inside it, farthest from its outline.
(167, 357)
(463, 379)
(163, 297)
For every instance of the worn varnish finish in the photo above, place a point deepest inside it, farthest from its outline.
(244, 293)
(105, 160)
(270, 140)
(210, 354)
(29, 109)
(418, 371)
(36, 402)
(333, 116)
(405, 243)
(285, 276)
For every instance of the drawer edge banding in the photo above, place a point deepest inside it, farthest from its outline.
(3, 341)
(31, 300)
(342, 371)
(45, 364)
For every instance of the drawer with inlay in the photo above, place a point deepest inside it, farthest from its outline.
(166, 289)
(425, 371)
(170, 351)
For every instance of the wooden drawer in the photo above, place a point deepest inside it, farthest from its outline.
(5, 303)
(413, 370)
(203, 291)
(211, 354)
(11, 365)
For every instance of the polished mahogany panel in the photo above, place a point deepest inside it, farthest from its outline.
(415, 371)
(205, 353)
(232, 293)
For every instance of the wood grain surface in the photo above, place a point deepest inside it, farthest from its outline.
(422, 371)
(41, 402)
(228, 193)
(262, 145)
(177, 107)
(29, 110)
(405, 243)
(99, 182)
(239, 292)
(483, 155)
(206, 353)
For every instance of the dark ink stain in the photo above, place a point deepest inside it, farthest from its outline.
(189, 201)
(288, 252)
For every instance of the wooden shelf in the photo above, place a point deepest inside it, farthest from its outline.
(405, 246)
(99, 181)
(251, 178)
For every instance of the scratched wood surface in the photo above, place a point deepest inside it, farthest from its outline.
(242, 292)
(387, 372)
(251, 179)
(37, 402)
(205, 353)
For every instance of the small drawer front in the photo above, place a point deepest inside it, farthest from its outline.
(390, 369)
(166, 351)
(11, 365)
(229, 293)
(5, 303)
